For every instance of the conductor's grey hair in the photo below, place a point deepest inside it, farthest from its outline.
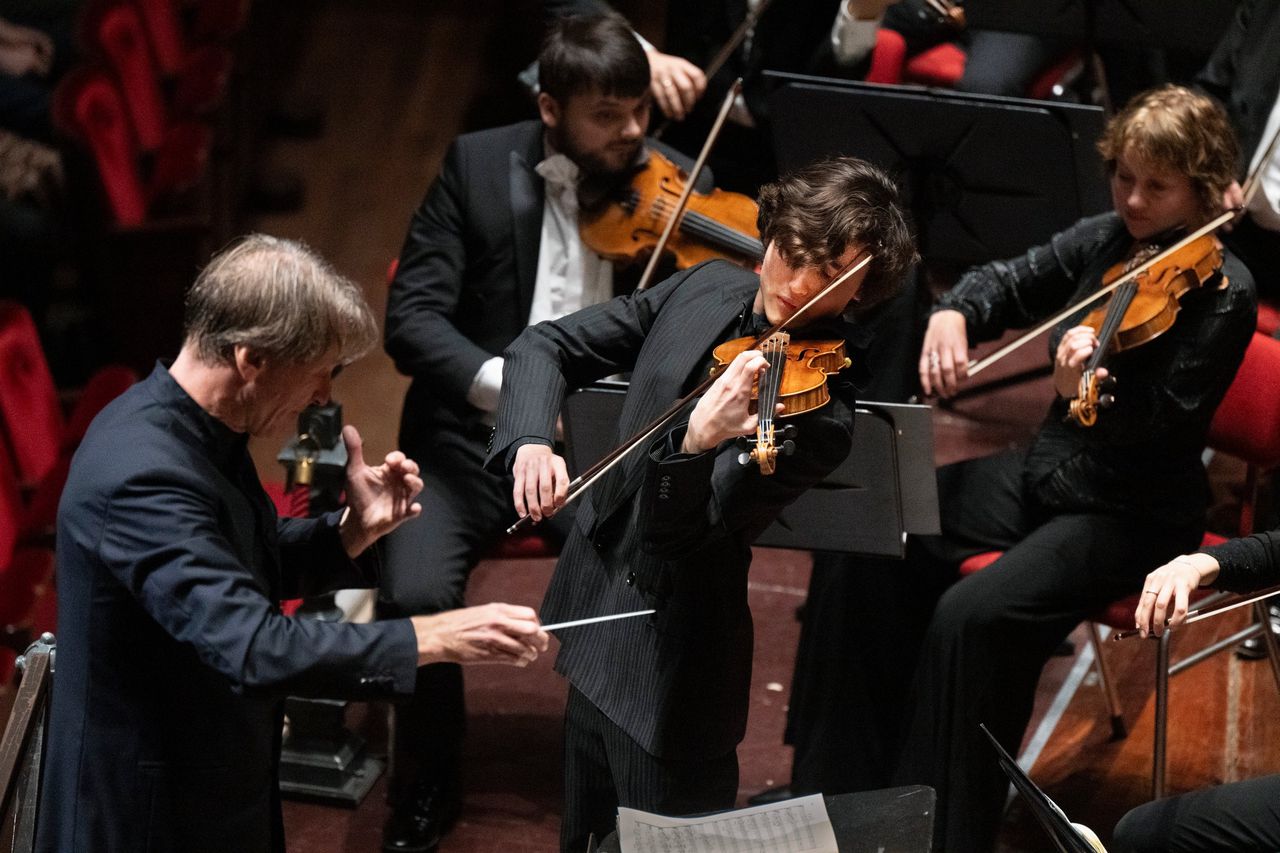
(280, 298)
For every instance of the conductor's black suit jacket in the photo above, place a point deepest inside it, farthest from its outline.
(172, 652)
(668, 530)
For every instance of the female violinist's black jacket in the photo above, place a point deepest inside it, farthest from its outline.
(1142, 457)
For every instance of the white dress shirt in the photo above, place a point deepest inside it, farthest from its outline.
(570, 276)
(1265, 206)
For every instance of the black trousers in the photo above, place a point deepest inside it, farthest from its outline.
(465, 510)
(604, 768)
(1242, 816)
(992, 632)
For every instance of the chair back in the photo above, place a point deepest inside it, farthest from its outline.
(31, 422)
(1247, 422)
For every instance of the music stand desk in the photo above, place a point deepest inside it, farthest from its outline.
(983, 176)
(885, 489)
(893, 820)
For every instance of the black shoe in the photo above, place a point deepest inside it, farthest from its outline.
(418, 826)
(1255, 648)
(771, 795)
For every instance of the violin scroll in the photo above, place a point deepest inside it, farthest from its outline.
(1092, 396)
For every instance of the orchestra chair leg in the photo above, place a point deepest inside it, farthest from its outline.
(1162, 717)
(1118, 729)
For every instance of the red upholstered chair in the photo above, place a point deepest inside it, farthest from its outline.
(117, 32)
(943, 65)
(1246, 425)
(887, 58)
(30, 416)
(37, 443)
(1268, 317)
(88, 106)
(26, 569)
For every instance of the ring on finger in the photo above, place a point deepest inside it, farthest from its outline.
(934, 360)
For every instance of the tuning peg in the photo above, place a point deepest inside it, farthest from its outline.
(789, 431)
(744, 458)
(1107, 385)
(788, 447)
(1106, 400)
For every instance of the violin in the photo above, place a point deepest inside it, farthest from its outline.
(796, 377)
(1141, 310)
(718, 224)
(584, 481)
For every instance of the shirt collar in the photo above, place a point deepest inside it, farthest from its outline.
(223, 444)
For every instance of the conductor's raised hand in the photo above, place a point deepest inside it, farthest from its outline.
(725, 410)
(541, 481)
(944, 358)
(379, 498)
(489, 633)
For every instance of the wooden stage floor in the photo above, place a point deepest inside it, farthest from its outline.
(399, 79)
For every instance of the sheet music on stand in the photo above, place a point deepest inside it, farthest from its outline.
(799, 825)
(1067, 837)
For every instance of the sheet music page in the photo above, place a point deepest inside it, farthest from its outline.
(791, 826)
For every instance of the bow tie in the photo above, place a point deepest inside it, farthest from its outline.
(559, 172)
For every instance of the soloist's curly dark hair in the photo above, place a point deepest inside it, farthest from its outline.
(813, 215)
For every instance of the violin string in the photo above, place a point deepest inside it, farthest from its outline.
(977, 365)
(770, 383)
(701, 225)
(1120, 302)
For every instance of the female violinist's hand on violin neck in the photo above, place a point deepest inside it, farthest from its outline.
(944, 358)
(724, 412)
(1074, 350)
(1171, 584)
(541, 481)
(676, 84)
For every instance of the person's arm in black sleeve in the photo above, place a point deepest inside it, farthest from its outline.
(552, 357)
(692, 501)
(1247, 564)
(1020, 292)
(420, 333)
(162, 543)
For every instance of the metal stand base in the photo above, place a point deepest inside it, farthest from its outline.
(321, 760)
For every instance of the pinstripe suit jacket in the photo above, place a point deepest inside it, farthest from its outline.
(666, 530)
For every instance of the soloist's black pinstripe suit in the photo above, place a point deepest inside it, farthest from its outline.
(664, 530)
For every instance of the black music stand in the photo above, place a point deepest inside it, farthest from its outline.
(1066, 838)
(1192, 25)
(884, 490)
(984, 176)
(897, 819)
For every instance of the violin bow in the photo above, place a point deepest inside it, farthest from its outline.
(1206, 612)
(978, 365)
(1254, 181)
(587, 478)
(647, 277)
(726, 50)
